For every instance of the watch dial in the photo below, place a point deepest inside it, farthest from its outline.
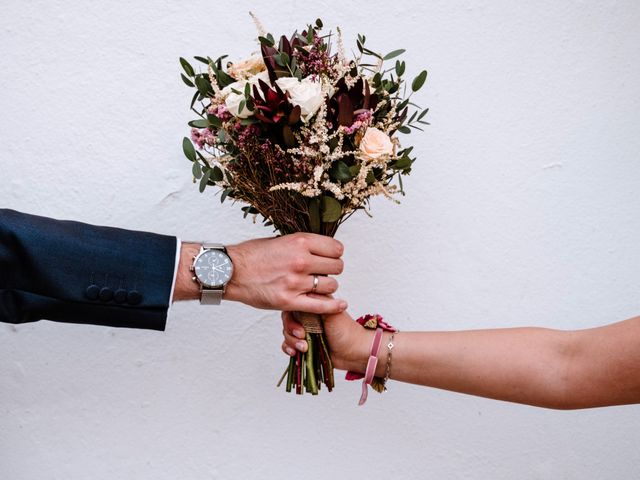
(213, 268)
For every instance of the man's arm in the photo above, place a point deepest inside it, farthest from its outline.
(78, 273)
(73, 272)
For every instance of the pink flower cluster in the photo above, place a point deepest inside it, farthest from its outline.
(220, 111)
(202, 137)
(362, 120)
(318, 60)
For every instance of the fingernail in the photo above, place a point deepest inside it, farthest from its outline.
(343, 305)
(298, 333)
(301, 346)
(291, 351)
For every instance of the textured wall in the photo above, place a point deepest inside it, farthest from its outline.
(523, 209)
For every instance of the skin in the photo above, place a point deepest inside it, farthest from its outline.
(275, 273)
(549, 368)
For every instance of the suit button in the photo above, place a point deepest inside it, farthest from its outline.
(120, 296)
(92, 292)
(134, 297)
(106, 294)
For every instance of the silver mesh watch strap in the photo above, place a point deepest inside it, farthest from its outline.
(212, 296)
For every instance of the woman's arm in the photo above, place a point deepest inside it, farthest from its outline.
(536, 366)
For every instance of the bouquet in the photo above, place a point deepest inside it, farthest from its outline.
(303, 137)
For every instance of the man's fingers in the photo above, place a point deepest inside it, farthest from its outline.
(325, 266)
(324, 246)
(325, 286)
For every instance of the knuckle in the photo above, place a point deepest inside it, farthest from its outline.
(291, 281)
(299, 264)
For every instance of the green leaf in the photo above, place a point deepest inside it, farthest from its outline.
(394, 54)
(203, 84)
(187, 67)
(187, 82)
(200, 123)
(331, 209)
(424, 112)
(204, 180)
(224, 195)
(203, 60)
(319, 23)
(188, 149)
(193, 100)
(418, 82)
(340, 172)
(399, 68)
(215, 121)
(403, 163)
(265, 41)
(196, 170)
(216, 174)
(404, 129)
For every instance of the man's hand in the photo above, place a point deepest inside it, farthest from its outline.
(276, 273)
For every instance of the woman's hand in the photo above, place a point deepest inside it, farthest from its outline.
(348, 341)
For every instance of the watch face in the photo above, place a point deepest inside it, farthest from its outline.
(213, 268)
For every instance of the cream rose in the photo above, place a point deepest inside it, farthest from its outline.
(247, 68)
(375, 144)
(306, 93)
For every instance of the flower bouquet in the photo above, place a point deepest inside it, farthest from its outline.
(303, 137)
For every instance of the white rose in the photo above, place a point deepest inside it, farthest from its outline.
(306, 93)
(375, 144)
(232, 100)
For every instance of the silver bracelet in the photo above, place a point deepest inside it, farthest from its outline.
(390, 346)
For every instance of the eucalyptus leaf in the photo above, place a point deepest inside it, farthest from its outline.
(196, 170)
(200, 123)
(418, 82)
(204, 180)
(188, 149)
(404, 129)
(331, 209)
(394, 54)
(203, 84)
(188, 69)
(216, 174)
(204, 60)
(265, 41)
(187, 82)
(340, 172)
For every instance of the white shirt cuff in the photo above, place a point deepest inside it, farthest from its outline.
(175, 274)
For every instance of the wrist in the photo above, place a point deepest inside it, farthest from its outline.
(234, 290)
(186, 288)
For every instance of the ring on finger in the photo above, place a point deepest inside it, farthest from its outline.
(316, 280)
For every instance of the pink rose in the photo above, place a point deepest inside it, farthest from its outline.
(375, 144)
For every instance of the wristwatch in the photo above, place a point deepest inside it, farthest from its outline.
(212, 269)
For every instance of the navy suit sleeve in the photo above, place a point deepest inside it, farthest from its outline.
(78, 273)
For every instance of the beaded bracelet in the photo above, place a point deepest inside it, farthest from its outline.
(374, 322)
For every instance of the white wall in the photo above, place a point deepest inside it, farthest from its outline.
(523, 209)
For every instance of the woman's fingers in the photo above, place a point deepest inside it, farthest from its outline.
(294, 335)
